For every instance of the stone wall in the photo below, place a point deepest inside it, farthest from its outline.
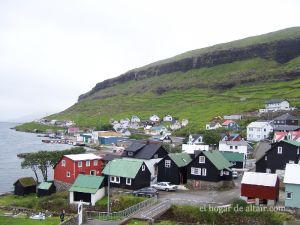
(62, 186)
(207, 185)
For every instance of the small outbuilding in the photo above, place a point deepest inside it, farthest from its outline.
(46, 188)
(88, 189)
(260, 187)
(24, 186)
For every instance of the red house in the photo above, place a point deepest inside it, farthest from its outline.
(261, 187)
(69, 166)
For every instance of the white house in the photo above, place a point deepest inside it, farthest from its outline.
(168, 118)
(195, 139)
(175, 126)
(234, 146)
(213, 126)
(184, 122)
(154, 118)
(190, 149)
(135, 119)
(257, 131)
(274, 105)
(157, 130)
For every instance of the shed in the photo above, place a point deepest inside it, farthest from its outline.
(88, 189)
(292, 185)
(46, 188)
(263, 187)
(24, 186)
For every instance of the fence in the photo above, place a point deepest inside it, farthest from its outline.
(121, 214)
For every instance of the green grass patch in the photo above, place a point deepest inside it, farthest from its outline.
(27, 221)
(36, 127)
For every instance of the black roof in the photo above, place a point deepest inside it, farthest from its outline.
(143, 150)
(272, 101)
(110, 157)
(287, 128)
(286, 116)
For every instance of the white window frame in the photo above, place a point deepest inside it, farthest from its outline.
(204, 172)
(279, 150)
(68, 174)
(87, 163)
(291, 195)
(168, 163)
(128, 181)
(201, 159)
(79, 164)
(143, 167)
(114, 179)
(63, 163)
(196, 171)
(221, 173)
(298, 151)
(266, 157)
(95, 162)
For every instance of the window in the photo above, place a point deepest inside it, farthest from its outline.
(250, 129)
(231, 147)
(128, 181)
(203, 171)
(298, 151)
(80, 164)
(167, 163)
(289, 195)
(130, 153)
(63, 162)
(68, 174)
(95, 162)
(279, 150)
(221, 173)
(88, 163)
(265, 130)
(93, 172)
(155, 156)
(268, 170)
(266, 157)
(143, 167)
(115, 179)
(195, 171)
(201, 159)
(235, 147)
(226, 172)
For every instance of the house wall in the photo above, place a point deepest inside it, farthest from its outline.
(295, 200)
(171, 174)
(277, 161)
(97, 196)
(20, 190)
(151, 164)
(233, 148)
(258, 133)
(60, 172)
(261, 192)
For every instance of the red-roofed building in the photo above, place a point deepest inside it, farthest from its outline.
(291, 135)
(230, 124)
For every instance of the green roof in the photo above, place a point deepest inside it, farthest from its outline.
(27, 181)
(45, 185)
(296, 143)
(87, 184)
(123, 167)
(180, 159)
(217, 159)
(233, 156)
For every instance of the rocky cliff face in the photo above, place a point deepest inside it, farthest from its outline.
(281, 51)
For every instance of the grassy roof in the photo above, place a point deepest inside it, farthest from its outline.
(27, 181)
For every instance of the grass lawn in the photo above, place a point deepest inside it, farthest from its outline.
(28, 201)
(26, 221)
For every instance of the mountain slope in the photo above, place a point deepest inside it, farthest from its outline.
(201, 83)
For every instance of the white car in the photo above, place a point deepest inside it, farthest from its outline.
(165, 186)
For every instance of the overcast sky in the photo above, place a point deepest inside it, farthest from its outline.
(53, 51)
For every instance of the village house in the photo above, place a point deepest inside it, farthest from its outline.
(168, 118)
(135, 119)
(213, 126)
(285, 119)
(260, 187)
(209, 170)
(286, 128)
(184, 122)
(230, 125)
(70, 166)
(231, 137)
(238, 160)
(73, 130)
(106, 137)
(292, 185)
(195, 139)
(127, 173)
(46, 188)
(274, 105)
(88, 189)
(275, 159)
(157, 130)
(235, 146)
(24, 186)
(154, 118)
(194, 143)
(173, 168)
(175, 125)
(151, 153)
(260, 130)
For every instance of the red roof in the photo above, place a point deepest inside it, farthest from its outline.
(226, 122)
(278, 136)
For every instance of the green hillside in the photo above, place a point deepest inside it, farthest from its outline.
(198, 94)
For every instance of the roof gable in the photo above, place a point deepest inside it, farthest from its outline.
(180, 159)
(87, 183)
(262, 179)
(123, 167)
(216, 158)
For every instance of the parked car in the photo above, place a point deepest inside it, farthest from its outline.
(146, 192)
(235, 174)
(165, 186)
